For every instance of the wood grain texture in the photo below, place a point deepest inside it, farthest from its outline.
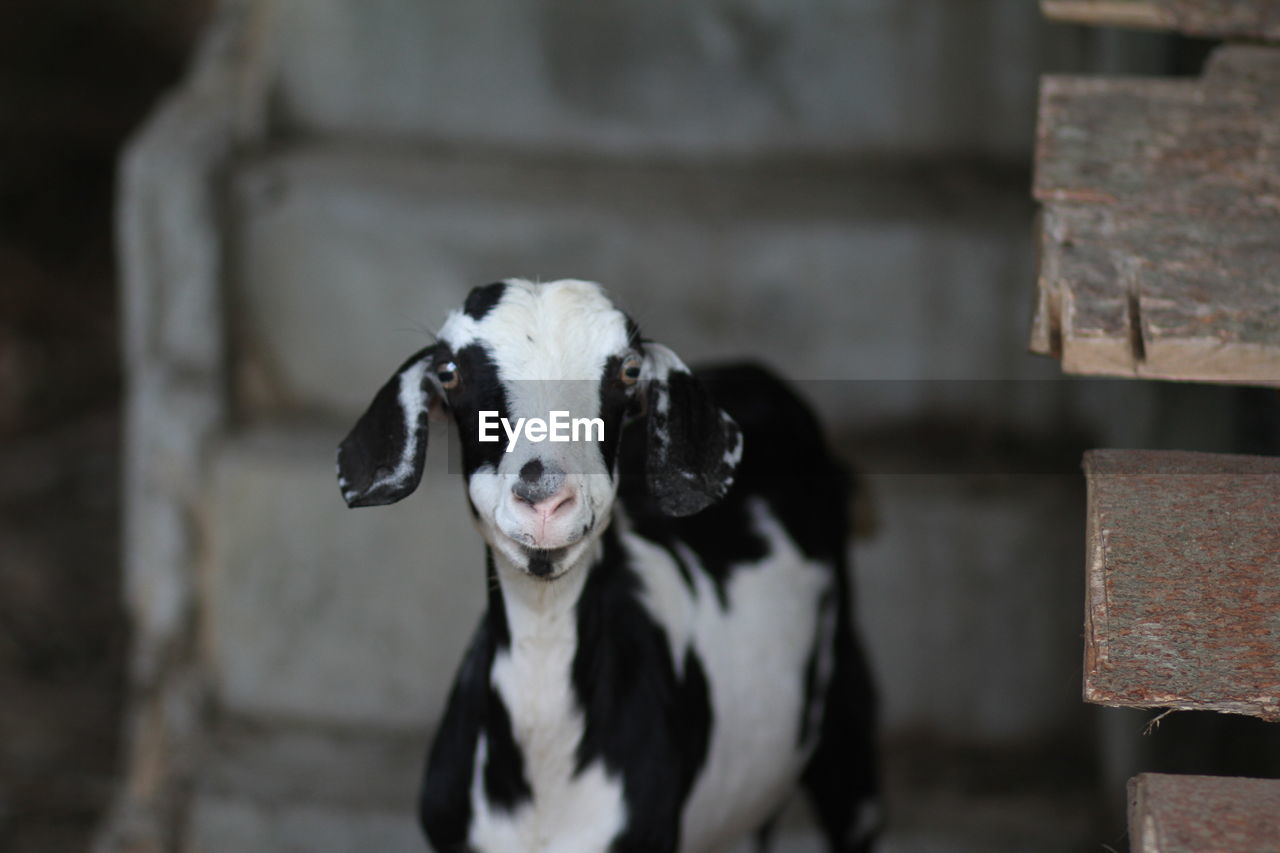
(1183, 585)
(1160, 229)
(1142, 14)
(1254, 19)
(1194, 814)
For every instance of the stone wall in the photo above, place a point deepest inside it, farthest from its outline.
(839, 190)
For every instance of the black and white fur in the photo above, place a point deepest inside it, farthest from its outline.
(667, 651)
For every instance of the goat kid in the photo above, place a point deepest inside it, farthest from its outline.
(667, 651)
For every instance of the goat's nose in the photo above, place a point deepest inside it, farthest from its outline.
(532, 471)
(539, 485)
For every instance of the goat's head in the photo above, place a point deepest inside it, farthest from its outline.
(521, 350)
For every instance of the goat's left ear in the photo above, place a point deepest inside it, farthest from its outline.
(381, 459)
(693, 446)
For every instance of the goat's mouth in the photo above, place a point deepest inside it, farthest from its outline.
(527, 541)
(545, 563)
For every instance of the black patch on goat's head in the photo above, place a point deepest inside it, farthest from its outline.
(482, 299)
(523, 350)
(479, 389)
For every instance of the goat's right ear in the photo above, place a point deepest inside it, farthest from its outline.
(381, 459)
(693, 445)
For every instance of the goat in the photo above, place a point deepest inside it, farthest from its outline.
(667, 651)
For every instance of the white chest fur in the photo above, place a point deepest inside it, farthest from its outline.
(568, 813)
(754, 651)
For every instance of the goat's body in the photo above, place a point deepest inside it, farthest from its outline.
(673, 696)
(756, 679)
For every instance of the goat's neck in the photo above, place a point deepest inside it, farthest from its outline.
(539, 611)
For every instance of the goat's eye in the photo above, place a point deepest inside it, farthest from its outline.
(629, 373)
(447, 373)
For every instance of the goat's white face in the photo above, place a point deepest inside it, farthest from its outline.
(532, 351)
(520, 351)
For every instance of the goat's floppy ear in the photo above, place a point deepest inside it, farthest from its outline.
(693, 446)
(380, 461)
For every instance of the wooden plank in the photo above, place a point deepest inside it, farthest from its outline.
(1160, 233)
(1192, 814)
(1139, 14)
(1183, 591)
(1254, 19)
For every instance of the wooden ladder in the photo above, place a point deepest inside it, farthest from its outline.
(1160, 258)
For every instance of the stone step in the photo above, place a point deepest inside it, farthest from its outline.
(629, 77)
(221, 824)
(316, 612)
(268, 785)
(825, 272)
(358, 768)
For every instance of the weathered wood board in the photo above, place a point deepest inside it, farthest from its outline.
(1183, 585)
(1193, 814)
(1253, 19)
(1160, 228)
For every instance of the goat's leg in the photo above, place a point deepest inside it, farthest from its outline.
(841, 779)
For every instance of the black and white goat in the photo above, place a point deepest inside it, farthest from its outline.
(667, 650)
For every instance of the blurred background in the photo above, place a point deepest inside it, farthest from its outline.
(76, 78)
(201, 649)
